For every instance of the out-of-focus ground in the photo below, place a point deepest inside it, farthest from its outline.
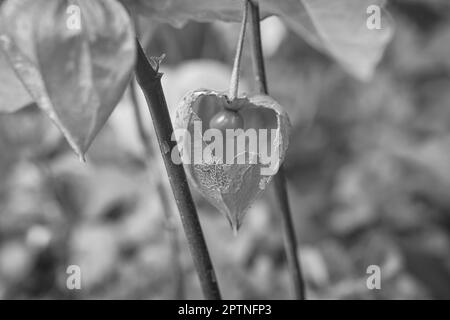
(368, 171)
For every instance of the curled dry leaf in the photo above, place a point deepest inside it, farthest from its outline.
(232, 172)
(74, 57)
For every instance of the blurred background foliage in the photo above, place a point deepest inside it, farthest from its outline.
(368, 171)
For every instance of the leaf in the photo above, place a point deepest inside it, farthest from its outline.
(13, 95)
(337, 27)
(179, 12)
(76, 73)
(15, 24)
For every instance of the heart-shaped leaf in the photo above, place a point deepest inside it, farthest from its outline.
(231, 168)
(337, 27)
(75, 58)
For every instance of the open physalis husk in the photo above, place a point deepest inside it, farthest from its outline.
(231, 187)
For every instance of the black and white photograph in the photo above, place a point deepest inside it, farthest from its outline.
(249, 151)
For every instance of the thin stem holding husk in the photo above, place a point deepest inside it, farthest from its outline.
(279, 179)
(150, 82)
(234, 83)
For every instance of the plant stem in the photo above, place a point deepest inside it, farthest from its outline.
(143, 134)
(150, 83)
(153, 173)
(234, 83)
(290, 240)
